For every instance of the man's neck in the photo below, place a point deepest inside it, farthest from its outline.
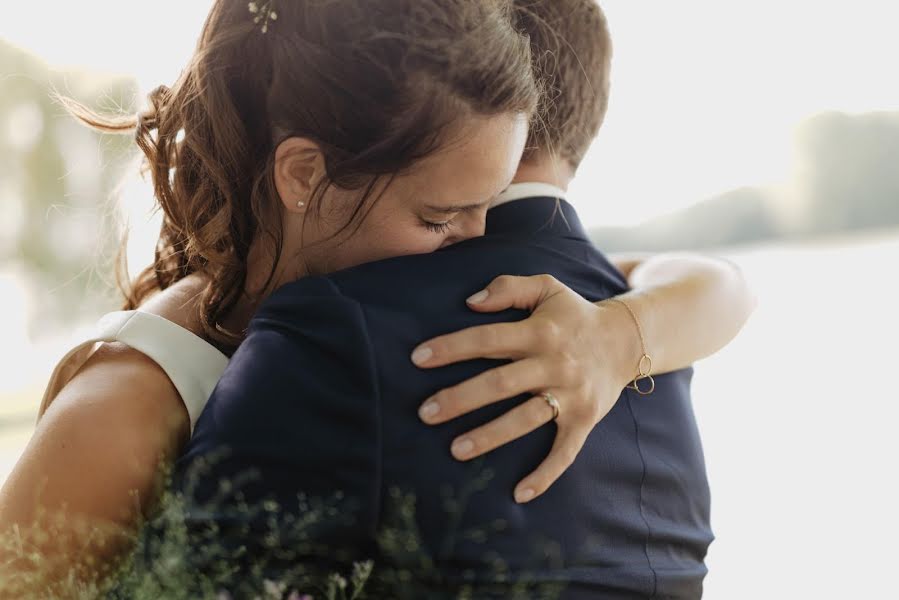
(545, 169)
(543, 176)
(528, 189)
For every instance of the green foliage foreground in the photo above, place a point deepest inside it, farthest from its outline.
(169, 557)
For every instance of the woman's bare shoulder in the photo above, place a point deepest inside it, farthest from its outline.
(132, 385)
(147, 386)
(123, 384)
(127, 388)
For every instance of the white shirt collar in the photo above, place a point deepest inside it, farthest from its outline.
(528, 189)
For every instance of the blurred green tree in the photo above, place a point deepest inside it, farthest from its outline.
(59, 221)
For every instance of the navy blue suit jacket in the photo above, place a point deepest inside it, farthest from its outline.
(322, 397)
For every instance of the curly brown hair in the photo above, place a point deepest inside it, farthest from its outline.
(375, 84)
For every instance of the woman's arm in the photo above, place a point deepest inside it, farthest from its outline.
(94, 461)
(689, 306)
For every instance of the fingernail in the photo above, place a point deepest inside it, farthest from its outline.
(428, 409)
(524, 495)
(462, 447)
(422, 354)
(479, 297)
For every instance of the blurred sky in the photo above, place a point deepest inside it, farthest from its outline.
(706, 93)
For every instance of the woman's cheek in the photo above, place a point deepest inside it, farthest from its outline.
(419, 242)
(395, 241)
(400, 237)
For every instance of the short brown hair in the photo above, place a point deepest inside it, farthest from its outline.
(572, 52)
(376, 84)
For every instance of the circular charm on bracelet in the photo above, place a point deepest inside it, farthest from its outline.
(645, 368)
(552, 402)
(636, 385)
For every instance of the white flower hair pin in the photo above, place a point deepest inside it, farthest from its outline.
(264, 13)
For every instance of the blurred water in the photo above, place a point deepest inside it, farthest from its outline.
(798, 418)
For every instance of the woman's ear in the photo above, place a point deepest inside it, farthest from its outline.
(299, 167)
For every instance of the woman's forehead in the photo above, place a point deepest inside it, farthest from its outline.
(475, 167)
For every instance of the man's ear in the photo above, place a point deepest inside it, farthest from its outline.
(299, 167)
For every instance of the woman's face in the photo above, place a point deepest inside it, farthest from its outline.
(440, 201)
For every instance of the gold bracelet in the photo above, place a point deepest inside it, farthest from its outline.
(645, 365)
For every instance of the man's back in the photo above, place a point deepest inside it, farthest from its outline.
(322, 396)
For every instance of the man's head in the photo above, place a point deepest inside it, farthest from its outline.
(572, 52)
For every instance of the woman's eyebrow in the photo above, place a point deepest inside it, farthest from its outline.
(457, 208)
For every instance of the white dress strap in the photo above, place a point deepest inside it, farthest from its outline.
(192, 364)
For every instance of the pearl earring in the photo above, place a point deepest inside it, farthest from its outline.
(301, 204)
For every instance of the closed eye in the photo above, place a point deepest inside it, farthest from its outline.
(437, 227)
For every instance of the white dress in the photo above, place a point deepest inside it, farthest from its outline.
(193, 364)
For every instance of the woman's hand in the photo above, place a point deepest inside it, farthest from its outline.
(580, 353)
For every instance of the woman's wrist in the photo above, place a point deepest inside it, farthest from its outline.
(619, 337)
